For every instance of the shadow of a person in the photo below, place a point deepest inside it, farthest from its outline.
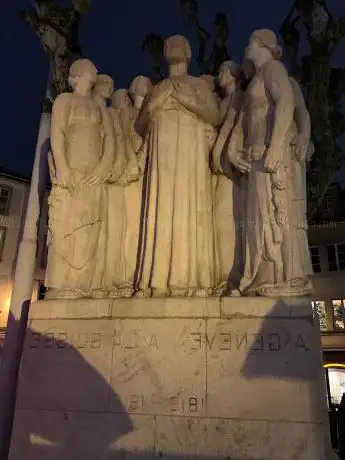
(63, 402)
(286, 355)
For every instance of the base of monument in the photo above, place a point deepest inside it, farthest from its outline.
(231, 378)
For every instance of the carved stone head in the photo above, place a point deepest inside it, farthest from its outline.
(140, 86)
(82, 72)
(104, 86)
(229, 73)
(177, 49)
(261, 41)
(120, 99)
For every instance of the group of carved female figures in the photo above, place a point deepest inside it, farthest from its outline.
(171, 191)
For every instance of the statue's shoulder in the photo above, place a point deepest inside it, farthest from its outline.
(63, 100)
(276, 68)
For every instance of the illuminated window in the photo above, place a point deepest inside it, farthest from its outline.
(336, 384)
(338, 315)
(5, 200)
(336, 257)
(315, 259)
(319, 309)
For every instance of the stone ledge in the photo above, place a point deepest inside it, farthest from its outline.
(262, 307)
(71, 309)
(167, 308)
(225, 307)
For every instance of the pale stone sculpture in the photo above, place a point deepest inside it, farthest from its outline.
(177, 254)
(116, 213)
(82, 147)
(303, 150)
(227, 199)
(274, 263)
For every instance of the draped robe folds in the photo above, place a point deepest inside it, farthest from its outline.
(228, 199)
(119, 269)
(273, 255)
(177, 254)
(77, 218)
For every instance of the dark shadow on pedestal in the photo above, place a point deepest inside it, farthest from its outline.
(281, 351)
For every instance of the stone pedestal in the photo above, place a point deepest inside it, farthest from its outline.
(232, 378)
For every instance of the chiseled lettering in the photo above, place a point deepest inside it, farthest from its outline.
(116, 339)
(96, 340)
(258, 344)
(48, 341)
(300, 343)
(196, 337)
(241, 340)
(35, 340)
(62, 340)
(174, 404)
(225, 341)
(153, 342)
(210, 341)
(273, 342)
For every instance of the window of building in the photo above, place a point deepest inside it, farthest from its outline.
(319, 310)
(315, 259)
(5, 200)
(336, 257)
(3, 231)
(338, 315)
(336, 384)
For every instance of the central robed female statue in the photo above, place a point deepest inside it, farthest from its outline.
(177, 245)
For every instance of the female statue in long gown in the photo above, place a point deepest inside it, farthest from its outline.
(273, 255)
(82, 148)
(177, 247)
(227, 200)
(303, 150)
(114, 260)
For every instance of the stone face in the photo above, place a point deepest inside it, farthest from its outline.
(243, 383)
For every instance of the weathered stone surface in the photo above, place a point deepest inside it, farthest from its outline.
(237, 439)
(57, 435)
(66, 365)
(242, 385)
(256, 366)
(154, 370)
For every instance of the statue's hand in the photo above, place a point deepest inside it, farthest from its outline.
(65, 179)
(240, 163)
(95, 179)
(301, 146)
(271, 163)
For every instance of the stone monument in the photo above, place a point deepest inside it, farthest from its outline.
(156, 359)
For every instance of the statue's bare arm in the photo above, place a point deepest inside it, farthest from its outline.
(303, 145)
(59, 122)
(277, 84)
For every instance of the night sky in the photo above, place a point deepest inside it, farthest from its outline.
(111, 36)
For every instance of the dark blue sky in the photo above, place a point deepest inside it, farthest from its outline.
(111, 36)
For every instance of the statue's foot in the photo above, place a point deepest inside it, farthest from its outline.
(54, 294)
(235, 293)
(161, 292)
(294, 288)
(99, 294)
(143, 293)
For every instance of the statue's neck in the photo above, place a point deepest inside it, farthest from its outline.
(138, 102)
(178, 69)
